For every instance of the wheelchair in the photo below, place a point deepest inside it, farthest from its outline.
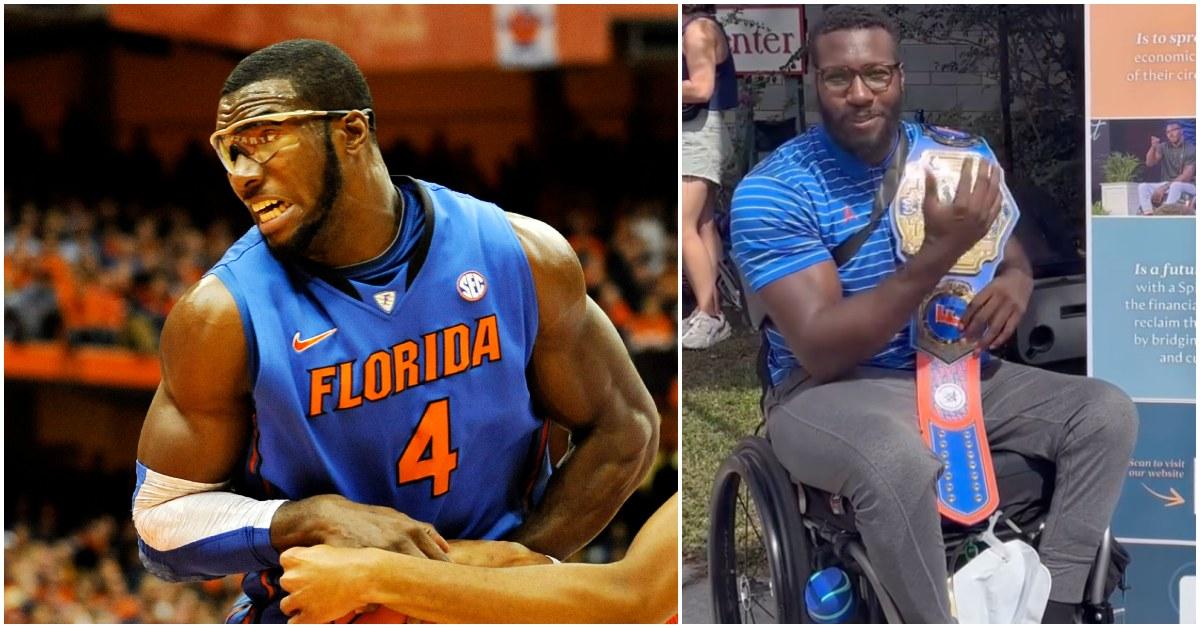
(768, 534)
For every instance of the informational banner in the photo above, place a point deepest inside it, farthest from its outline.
(1143, 61)
(1144, 305)
(392, 37)
(1157, 502)
(765, 38)
(526, 35)
(1142, 284)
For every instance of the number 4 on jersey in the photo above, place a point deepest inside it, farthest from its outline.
(428, 453)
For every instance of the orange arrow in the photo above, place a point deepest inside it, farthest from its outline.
(1174, 499)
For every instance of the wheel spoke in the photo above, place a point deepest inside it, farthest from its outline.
(756, 597)
(751, 515)
(742, 538)
(757, 533)
(766, 609)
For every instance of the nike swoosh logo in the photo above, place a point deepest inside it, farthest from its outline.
(301, 346)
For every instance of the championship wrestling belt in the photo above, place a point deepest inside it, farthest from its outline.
(949, 403)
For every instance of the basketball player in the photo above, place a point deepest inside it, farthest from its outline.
(368, 366)
(327, 583)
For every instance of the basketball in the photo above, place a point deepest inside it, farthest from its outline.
(376, 615)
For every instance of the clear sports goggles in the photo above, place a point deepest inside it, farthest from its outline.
(260, 137)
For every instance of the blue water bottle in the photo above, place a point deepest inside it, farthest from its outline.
(829, 596)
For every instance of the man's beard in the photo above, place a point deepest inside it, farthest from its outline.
(864, 146)
(301, 241)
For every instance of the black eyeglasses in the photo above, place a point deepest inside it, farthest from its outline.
(877, 77)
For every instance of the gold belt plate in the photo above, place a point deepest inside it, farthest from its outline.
(910, 220)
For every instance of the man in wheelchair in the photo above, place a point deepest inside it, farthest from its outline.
(840, 408)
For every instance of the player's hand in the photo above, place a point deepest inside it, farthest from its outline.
(953, 228)
(343, 523)
(494, 554)
(994, 313)
(1154, 141)
(323, 583)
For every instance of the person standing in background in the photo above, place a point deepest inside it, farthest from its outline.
(709, 88)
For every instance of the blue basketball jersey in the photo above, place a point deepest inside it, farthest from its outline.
(415, 399)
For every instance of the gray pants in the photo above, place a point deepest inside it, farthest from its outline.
(858, 437)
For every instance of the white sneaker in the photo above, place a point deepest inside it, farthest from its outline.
(705, 331)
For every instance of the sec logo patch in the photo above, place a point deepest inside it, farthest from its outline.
(471, 286)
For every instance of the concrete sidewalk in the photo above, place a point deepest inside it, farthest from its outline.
(697, 605)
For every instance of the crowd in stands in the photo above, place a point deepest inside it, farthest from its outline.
(96, 275)
(92, 575)
(104, 267)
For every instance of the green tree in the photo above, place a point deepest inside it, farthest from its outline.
(1046, 78)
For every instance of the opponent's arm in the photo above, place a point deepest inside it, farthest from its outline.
(831, 333)
(700, 50)
(326, 583)
(194, 434)
(582, 376)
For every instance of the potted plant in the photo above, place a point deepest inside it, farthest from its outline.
(1118, 193)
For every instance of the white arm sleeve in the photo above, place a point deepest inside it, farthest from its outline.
(193, 529)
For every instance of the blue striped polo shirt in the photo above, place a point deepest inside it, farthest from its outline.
(794, 208)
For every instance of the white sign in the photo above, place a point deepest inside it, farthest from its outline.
(1187, 600)
(764, 38)
(526, 35)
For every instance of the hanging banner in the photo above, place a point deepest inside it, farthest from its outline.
(526, 35)
(399, 37)
(1142, 284)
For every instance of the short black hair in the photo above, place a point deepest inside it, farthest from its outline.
(845, 17)
(323, 76)
(1178, 123)
(691, 9)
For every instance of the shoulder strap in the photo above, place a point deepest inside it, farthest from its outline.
(883, 197)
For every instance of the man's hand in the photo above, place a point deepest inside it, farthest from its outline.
(994, 313)
(1154, 141)
(952, 229)
(323, 582)
(1159, 194)
(494, 554)
(336, 521)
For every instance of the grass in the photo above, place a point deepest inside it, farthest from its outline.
(720, 406)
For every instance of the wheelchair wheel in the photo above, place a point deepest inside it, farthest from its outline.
(757, 551)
